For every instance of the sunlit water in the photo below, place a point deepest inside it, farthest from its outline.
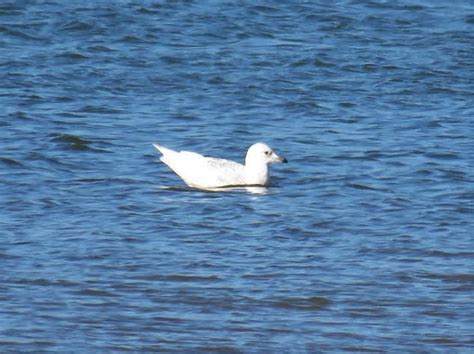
(363, 242)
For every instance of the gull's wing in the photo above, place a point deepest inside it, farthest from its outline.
(202, 172)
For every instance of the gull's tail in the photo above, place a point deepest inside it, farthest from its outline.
(164, 151)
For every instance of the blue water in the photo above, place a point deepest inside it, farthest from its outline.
(363, 242)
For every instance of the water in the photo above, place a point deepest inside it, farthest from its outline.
(363, 242)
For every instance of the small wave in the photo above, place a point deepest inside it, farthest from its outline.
(77, 26)
(192, 278)
(444, 254)
(46, 282)
(10, 162)
(19, 34)
(452, 277)
(132, 39)
(75, 142)
(100, 48)
(263, 9)
(73, 55)
(303, 303)
(362, 187)
(98, 109)
(95, 292)
(442, 155)
(48, 160)
(182, 278)
(171, 59)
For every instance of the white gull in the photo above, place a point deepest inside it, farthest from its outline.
(208, 172)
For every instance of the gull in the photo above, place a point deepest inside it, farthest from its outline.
(203, 172)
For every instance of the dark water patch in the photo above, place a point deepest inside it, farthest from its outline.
(450, 278)
(8, 256)
(24, 243)
(49, 160)
(364, 68)
(302, 303)
(12, 32)
(344, 335)
(370, 67)
(264, 9)
(100, 49)
(368, 312)
(99, 109)
(39, 344)
(139, 63)
(445, 254)
(183, 278)
(347, 104)
(77, 143)
(73, 56)
(101, 305)
(363, 187)
(185, 117)
(10, 9)
(77, 26)
(11, 162)
(297, 231)
(302, 62)
(168, 320)
(216, 80)
(171, 60)
(93, 292)
(320, 63)
(191, 278)
(303, 104)
(148, 10)
(73, 142)
(29, 100)
(10, 343)
(453, 175)
(132, 39)
(449, 155)
(390, 67)
(335, 23)
(64, 99)
(362, 349)
(268, 276)
(448, 341)
(69, 115)
(106, 180)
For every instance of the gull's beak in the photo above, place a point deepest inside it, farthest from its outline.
(277, 158)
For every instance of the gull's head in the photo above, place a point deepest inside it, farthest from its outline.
(262, 153)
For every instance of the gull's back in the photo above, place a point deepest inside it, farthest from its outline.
(203, 172)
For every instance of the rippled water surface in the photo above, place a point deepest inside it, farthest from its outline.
(363, 242)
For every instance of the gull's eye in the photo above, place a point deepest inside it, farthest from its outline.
(267, 153)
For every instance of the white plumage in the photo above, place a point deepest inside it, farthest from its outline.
(207, 172)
